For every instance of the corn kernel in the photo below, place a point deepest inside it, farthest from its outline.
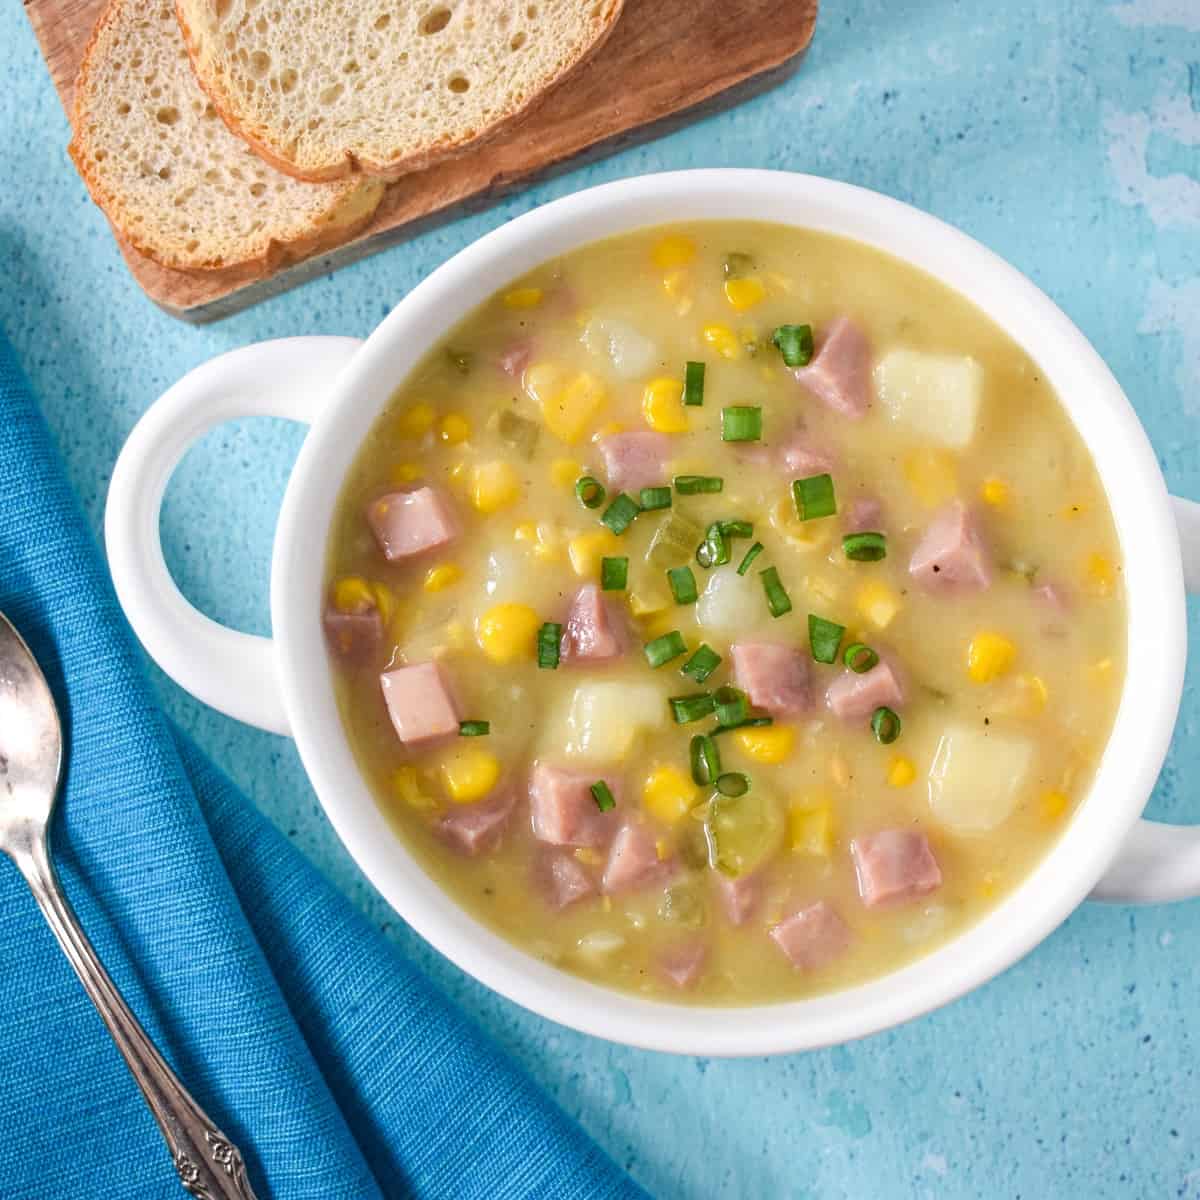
(469, 773)
(745, 293)
(353, 594)
(523, 297)
(494, 485)
(662, 405)
(1052, 806)
(767, 743)
(568, 404)
(385, 601)
(646, 602)
(455, 428)
(932, 476)
(441, 577)
(901, 772)
(668, 793)
(1100, 576)
(406, 786)
(507, 632)
(586, 551)
(673, 250)
(810, 826)
(994, 492)
(878, 604)
(405, 472)
(416, 420)
(565, 472)
(723, 340)
(989, 656)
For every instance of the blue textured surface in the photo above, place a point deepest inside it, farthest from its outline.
(1067, 137)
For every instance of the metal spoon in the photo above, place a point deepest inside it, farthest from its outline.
(208, 1163)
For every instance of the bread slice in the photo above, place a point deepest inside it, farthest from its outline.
(327, 88)
(173, 181)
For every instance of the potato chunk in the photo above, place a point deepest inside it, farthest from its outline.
(936, 396)
(976, 777)
(605, 716)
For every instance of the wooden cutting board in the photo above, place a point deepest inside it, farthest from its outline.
(667, 62)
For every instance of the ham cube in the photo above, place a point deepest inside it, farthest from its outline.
(840, 371)
(812, 937)
(354, 637)
(591, 633)
(420, 703)
(636, 460)
(740, 896)
(894, 865)
(683, 964)
(515, 358)
(801, 458)
(864, 515)
(563, 879)
(773, 675)
(474, 829)
(633, 860)
(563, 810)
(410, 523)
(852, 697)
(952, 556)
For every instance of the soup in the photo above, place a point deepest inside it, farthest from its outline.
(726, 613)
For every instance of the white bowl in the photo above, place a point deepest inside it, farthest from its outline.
(339, 385)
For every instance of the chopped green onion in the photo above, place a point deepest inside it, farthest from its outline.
(614, 572)
(663, 649)
(778, 601)
(706, 759)
(751, 555)
(733, 783)
(714, 550)
(737, 528)
(653, 498)
(683, 585)
(865, 547)
(686, 709)
(732, 705)
(619, 515)
(690, 485)
(590, 492)
(885, 725)
(814, 497)
(741, 423)
(860, 658)
(518, 432)
(474, 728)
(602, 795)
(674, 541)
(702, 664)
(549, 637)
(748, 723)
(693, 384)
(795, 343)
(824, 637)
(738, 264)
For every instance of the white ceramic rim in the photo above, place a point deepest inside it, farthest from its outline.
(1094, 400)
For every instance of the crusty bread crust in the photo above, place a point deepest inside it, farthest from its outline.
(349, 208)
(264, 144)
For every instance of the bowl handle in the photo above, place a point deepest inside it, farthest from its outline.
(1161, 862)
(231, 671)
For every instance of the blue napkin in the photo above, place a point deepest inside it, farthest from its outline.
(307, 1037)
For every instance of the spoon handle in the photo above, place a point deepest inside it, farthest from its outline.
(209, 1165)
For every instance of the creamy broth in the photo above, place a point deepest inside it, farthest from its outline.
(1007, 652)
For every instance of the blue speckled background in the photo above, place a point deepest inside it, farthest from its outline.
(1064, 134)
